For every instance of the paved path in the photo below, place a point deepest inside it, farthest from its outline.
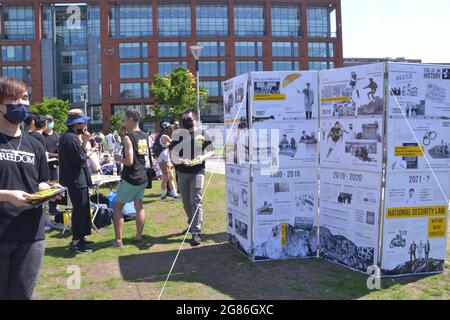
(216, 166)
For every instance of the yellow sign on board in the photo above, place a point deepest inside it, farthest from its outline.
(336, 99)
(416, 212)
(409, 151)
(269, 97)
(283, 234)
(437, 227)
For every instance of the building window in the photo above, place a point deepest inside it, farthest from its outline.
(213, 87)
(131, 21)
(79, 77)
(212, 68)
(213, 49)
(286, 21)
(248, 49)
(93, 21)
(134, 90)
(133, 70)
(249, 20)
(165, 68)
(70, 36)
(212, 20)
(321, 65)
(74, 58)
(321, 22)
(74, 95)
(174, 20)
(248, 66)
(18, 22)
(20, 72)
(320, 50)
(172, 49)
(286, 66)
(16, 53)
(133, 50)
(285, 49)
(213, 112)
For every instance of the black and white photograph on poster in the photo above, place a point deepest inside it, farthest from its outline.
(296, 144)
(349, 215)
(284, 96)
(352, 144)
(418, 91)
(237, 142)
(241, 228)
(409, 248)
(418, 145)
(351, 92)
(417, 189)
(234, 97)
(287, 197)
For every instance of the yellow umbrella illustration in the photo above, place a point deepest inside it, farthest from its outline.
(290, 79)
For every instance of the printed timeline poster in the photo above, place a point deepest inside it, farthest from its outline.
(420, 144)
(286, 144)
(349, 217)
(284, 96)
(352, 92)
(418, 91)
(234, 97)
(285, 213)
(238, 208)
(352, 143)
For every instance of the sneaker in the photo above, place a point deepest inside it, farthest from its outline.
(47, 228)
(163, 198)
(87, 243)
(80, 248)
(196, 240)
(177, 197)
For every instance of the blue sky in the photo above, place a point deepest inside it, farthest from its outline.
(418, 29)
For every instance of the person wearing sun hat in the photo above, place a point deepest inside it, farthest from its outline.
(75, 175)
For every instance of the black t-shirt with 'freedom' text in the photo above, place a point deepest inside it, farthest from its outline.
(21, 169)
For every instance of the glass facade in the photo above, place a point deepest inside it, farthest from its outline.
(19, 72)
(213, 49)
(248, 66)
(319, 24)
(134, 90)
(93, 19)
(78, 77)
(18, 22)
(133, 50)
(16, 53)
(320, 50)
(286, 66)
(131, 21)
(165, 68)
(248, 49)
(214, 87)
(68, 34)
(74, 58)
(212, 20)
(171, 49)
(174, 20)
(212, 68)
(74, 95)
(286, 21)
(133, 70)
(249, 20)
(285, 49)
(321, 65)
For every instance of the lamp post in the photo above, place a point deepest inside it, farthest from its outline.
(84, 89)
(196, 50)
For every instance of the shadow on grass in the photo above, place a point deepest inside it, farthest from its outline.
(224, 270)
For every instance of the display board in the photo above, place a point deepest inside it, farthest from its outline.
(418, 170)
(351, 162)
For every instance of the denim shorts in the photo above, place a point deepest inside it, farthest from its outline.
(126, 192)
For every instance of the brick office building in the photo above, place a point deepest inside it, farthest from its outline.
(111, 52)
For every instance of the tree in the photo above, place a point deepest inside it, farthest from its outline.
(175, 94)
(116, 121)
(54, 107)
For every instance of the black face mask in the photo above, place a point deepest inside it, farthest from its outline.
(187, 123)
(80, 131)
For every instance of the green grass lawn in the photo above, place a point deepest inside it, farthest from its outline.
(212, 271)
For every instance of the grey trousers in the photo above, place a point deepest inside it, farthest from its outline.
(20, 263)
(190, 185)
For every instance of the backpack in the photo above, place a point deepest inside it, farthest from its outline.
(103, 217)
(157, 147)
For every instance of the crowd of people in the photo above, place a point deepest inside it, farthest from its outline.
(34, 157)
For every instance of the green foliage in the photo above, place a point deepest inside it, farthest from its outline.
(175, 94)
(116, 121)
(54, 107)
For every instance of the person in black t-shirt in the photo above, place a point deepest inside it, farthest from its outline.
(75, 175)
(135, 160)
(40, 124)
(190, 148)
(23, 171)
(52, 142)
